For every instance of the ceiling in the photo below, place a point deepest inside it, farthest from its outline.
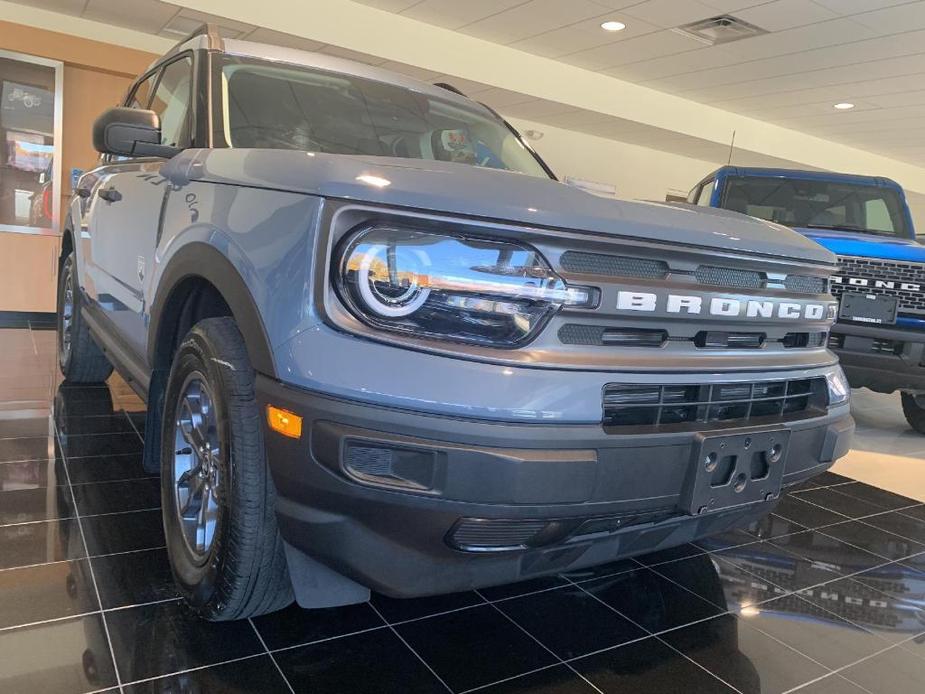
(815, 53)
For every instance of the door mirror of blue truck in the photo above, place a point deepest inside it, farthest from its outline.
(130, 132)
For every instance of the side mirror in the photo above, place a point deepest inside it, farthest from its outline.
(130, 132)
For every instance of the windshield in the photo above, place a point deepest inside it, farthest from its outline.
(818, 204)
(284, 106)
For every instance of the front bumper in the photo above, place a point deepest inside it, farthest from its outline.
(884, 359)
(590, 496)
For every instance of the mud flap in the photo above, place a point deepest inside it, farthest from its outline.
(315, 585)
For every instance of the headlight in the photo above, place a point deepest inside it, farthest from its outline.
(837, 382)
(451, 287)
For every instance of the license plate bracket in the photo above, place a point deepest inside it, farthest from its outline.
(729, 470)
(878, 309)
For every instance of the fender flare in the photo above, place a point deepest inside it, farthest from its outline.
(201, 260)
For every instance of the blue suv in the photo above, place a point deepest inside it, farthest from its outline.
(865, 221)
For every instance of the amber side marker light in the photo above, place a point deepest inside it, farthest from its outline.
(284, 422)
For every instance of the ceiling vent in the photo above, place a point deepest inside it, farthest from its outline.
(722, 29)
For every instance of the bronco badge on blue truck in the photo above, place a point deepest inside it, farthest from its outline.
(384, 349)
(865, 221)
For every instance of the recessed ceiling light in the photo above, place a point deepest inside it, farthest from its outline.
(844, 106)
(613, 25)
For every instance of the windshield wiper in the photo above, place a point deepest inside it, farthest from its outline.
(845, 227)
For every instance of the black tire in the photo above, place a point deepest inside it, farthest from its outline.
(240, 568)
(79, 357)
(914, 409)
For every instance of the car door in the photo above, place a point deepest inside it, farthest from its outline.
(128, 200)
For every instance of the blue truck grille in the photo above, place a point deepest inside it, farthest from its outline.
(905, 281)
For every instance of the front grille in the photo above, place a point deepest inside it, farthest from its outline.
(605, 336)
(806, 284)
(884, 346)
(600, 335)
(613, 265)
(912, 275)
(658, 405)
(480, 534)
(729, 277)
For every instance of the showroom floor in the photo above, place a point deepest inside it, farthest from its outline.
(827, 595)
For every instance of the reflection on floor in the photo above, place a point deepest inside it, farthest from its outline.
(827, 595)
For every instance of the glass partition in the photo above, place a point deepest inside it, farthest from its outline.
(30, 144)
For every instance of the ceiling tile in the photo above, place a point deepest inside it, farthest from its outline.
(670, 13)
(389, 5)
(786, 14)
(731, 5)
(661, 43)
(899, 99)
(538, 109)
(454, 14)
(73, 7)
(531, 18)
(278, 38)
(706, 58)
(583, 35)
(500, 99)
(849, 7)
(831, 33)
(228, 28)
(894, 19)
(142, 15)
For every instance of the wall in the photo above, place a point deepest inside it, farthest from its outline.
(637, 172)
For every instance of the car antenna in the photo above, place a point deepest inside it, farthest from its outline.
(731, 145)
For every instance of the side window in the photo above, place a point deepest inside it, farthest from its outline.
(706, 192)
(142, 93)
(172, 102)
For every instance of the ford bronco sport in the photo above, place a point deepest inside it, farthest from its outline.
(383, 348)
(865, 221)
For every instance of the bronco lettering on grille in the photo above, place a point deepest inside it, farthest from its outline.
(723, 306)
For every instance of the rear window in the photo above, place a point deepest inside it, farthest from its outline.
(818, 204)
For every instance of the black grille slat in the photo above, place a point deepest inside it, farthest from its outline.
(628, 405)
(874, 270)
(806, 284)
(613, 265)
(729, 277)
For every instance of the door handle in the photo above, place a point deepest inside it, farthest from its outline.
(110, 194)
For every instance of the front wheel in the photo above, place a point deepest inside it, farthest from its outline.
(914, 409)
(217, 495)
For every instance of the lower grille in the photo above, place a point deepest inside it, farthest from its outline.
(693, 405)
(905, 281)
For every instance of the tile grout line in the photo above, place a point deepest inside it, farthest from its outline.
(96, 589)
(192, 669)
(267, 651)
(511, 678)
(654, 635)
(408, 646)
(87, 556)
(89, 515)
(541, 644)
(134, 428)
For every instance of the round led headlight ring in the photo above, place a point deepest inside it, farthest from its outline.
(408, 296)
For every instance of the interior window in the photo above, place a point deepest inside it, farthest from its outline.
(171, 102)
(706, 192)
(142, 94)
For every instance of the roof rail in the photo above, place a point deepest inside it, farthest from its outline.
(449, 88)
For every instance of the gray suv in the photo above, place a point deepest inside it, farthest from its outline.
(383, 348)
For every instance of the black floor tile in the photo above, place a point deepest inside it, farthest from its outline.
(374, 662)
(294, 626)
(656, 603)
(75, 447)
(647, 666)
(805, 513)
(608, 569)
(399, 610)
(895, 671)
(71, 427)
(19, 427)
(558, 679)
(28, 505)
(832, 500)
(134, 578)
(63, 657)
(833, 550)
(39, 543)
(742, 588)
(917, 512)
(874, 495)
(117, 497)
(511, 590)
(898, 581)
(816, 633)
(165, 638)
(671, 554)
(769, 527)
(570, 622)
(257, 675)
(746, 658)
(831, 684)
(874, 540)
(777, 569)
(49, 591)
(123, 532)
(33, 474)
(106, 469)
(899, 524)
(36, 448)
(452, 643)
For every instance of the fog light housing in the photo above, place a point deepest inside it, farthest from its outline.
(838, 388)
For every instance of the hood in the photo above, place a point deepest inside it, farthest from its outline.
(492, 194)
(867, 245)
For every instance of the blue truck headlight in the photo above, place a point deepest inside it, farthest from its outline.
(837, 382)
(450, 287)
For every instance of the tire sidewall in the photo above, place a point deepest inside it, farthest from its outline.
(66, 267)
(198, 579)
